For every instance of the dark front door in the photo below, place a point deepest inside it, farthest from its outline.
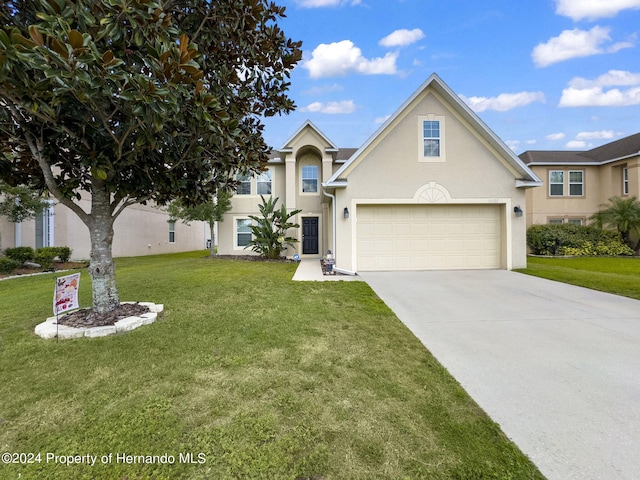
(310, 235)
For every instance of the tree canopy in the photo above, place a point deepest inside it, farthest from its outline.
(130, 101)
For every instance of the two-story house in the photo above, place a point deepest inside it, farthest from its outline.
(432, 188)
(577, 183)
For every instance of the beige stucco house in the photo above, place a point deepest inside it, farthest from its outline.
(433, 188)
(576, 183)
(139, 230)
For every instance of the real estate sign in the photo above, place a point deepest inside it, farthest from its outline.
(66, 294)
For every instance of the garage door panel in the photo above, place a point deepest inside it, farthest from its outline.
(428, 237)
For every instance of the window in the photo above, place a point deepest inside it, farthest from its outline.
(264, 183)
(243, 232)
(574, 221)
(576, 183)
(172, 232)
(625, 181)
(431, 138)
(310, 179)
(555, 221)
(244, 185)
(556, 183)
(44, 227)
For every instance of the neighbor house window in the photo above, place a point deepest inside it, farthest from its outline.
(556, 183)
(574, 221)
(243, 232)
(576, 183)
(244, 185)
(264, 183)
(431, 138)
(555, 221)
(625, 181)
(310, 179)
(172, 232)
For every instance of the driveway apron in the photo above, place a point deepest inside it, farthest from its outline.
(556, 366)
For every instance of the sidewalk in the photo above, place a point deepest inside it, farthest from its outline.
(310, 270)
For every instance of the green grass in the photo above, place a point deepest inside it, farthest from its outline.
(265, 377)
(618, 275)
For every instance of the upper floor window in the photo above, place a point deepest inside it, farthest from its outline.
(264, 183)
(556, 183)
(244, 185)
(310, 179)
(625, 181)
(574, 186)
(576, 183)
(431, 138)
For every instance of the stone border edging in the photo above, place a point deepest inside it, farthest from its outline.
(49, 327)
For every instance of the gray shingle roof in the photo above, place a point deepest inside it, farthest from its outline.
(625, 147)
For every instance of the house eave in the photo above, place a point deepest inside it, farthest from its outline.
(528, 183)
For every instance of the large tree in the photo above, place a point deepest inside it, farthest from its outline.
(133, 101)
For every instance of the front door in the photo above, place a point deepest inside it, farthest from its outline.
(310, 235)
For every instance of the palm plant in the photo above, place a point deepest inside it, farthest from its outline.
(621, 214)
(270, 230)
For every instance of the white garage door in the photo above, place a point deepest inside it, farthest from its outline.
(428, 237)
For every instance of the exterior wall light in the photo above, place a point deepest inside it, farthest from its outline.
(346, 212)
(517, 210)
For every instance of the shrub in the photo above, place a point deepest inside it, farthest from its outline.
(569, 239)
(20, 254)
(8, 265)
(63, 253)
(45, 255)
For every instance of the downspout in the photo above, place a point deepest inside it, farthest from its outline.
(333, 205)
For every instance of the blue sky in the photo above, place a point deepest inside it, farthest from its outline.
(542, 74)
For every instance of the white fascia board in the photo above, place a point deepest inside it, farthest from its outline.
(528, 184)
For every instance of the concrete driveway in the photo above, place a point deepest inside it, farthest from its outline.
(557, 366)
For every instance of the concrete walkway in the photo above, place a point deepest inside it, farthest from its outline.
(556, 366)
(310, 270)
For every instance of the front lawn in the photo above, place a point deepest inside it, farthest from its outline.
(249, 375)
(619, 275)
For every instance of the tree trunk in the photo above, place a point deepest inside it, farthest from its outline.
(212, 248)
(101, 266)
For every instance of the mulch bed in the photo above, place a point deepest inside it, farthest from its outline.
(252, 258)
(58, 266)
(87, 318)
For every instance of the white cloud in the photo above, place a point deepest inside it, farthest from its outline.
(332, 108)
(583, 92)
(402, 38)
(341, 58)
(504, 101)
(326, 3)
(609, 79)
(575, 43)
(602, 134)
(576, 145)
(592, 9)
(555, 136)
(381, 120)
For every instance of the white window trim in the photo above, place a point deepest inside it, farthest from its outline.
(238, 177)
(258, 182)
(556, 183)
(235, 232)
(172, 229)
(302, 178)
(625, 181)
(575, 183)
(431, 118)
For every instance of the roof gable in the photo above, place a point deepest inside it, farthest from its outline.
(329, 145)
(434, 82)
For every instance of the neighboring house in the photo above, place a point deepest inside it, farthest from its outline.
(139, 230)
(577, 183)
(433, 188)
